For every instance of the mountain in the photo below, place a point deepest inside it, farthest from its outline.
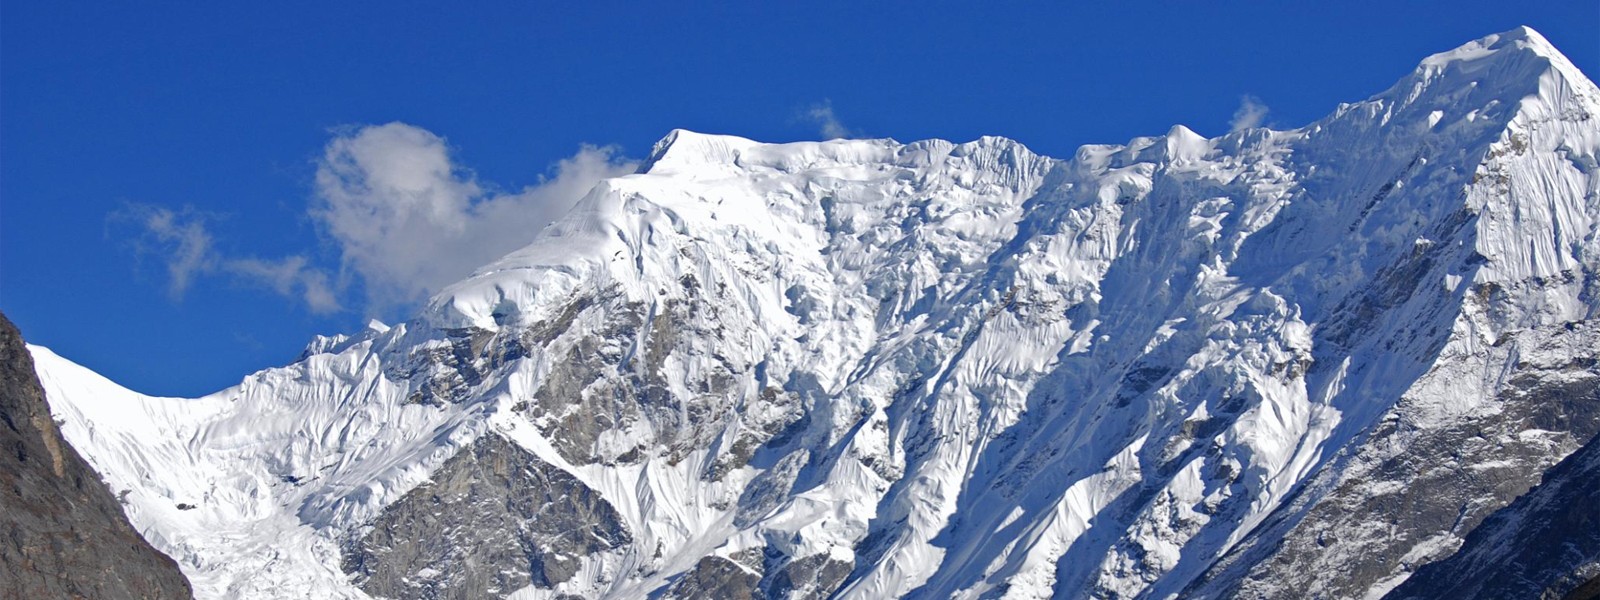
(1269, 364)
(65, 534)
(1544, 544)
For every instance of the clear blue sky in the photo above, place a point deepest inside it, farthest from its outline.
(109, 111)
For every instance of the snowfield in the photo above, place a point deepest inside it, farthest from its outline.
(1179, 367)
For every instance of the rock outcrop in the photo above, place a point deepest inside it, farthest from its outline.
(65, 534)
(1544, 545)
(494, 519)
(1269, 364)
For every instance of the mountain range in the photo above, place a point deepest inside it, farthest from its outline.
(1354, 359)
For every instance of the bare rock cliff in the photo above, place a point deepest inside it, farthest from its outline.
(65, 536)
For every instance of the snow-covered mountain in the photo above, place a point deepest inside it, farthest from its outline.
(1269, 364)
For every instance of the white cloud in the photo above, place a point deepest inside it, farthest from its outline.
(408, 220)
(828, 124)
(180, 238)
(185, 244)
(290, 277)
(405, 219)
(1250, 114)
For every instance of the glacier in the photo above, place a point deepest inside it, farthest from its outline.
(1298, 363)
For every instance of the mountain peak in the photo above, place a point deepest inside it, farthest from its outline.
(683, 147)
(1509, 76)
(1508, 60)
(874, 369)
(1184, 145)
(1522, 40)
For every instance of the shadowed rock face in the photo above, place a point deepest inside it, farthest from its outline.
(813, 577)
(868, 369)
(65, 535)
(494, 519)
(717, 577)
(601, 387)
(760, 575)
(1546, 544)
(1412, 492)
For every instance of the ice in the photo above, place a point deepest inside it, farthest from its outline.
(1022, 376)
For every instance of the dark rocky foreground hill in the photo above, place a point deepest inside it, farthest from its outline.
(65, 536)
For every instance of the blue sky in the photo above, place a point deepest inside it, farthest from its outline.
(230, 146)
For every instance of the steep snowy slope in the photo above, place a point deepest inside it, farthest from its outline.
(875, 369)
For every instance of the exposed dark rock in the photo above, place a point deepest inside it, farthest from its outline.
(770, 488)
(1590, 590)
(1544, 545)
(1412, 491)
(618, 377)
(584, 395)
(757, 574)
(493, 519)
(810, 578)
(446, 373)
(716, 577)
(65, 534)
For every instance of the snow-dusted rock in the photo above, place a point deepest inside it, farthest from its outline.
(1208, 367)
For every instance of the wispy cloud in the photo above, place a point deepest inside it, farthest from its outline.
(408, 220)
(290, 276)
(1250, 114)
(403, 217)
(183, 241)
(828, 125)
(180, 239)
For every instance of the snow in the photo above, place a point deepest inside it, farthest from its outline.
(1026, 376)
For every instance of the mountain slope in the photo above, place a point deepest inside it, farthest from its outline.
(1546, 544)
(872, 369)
(66, 536)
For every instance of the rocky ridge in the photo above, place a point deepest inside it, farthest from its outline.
(65, 534)
(866, 369)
